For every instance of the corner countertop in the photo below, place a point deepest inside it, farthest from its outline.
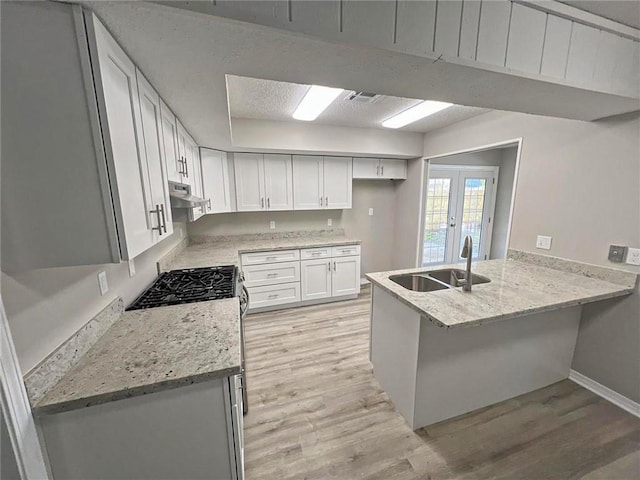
(517, 288)
(212, 251)
(150, 350)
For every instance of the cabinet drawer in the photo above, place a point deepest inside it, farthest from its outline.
(320, 252)
(271, 274)
(256, 258)
(345, 250)
(274, 295)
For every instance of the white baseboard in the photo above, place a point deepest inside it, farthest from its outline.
(364, 281)
(606, 393)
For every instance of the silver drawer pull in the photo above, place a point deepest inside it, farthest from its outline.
(272, 274)
(315, 254)
(272, 296)
(271, 258)
(347, 251)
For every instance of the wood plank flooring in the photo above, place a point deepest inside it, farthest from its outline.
(316, 412)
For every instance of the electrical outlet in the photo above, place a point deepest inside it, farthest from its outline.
(633, 256)
(371, 212)
(102, 282)
(616, 253)
(329, 222)
(272, 225)
(543, 242)
(132, 268)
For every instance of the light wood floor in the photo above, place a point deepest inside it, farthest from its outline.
(316, 412)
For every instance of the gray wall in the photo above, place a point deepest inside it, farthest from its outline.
(505, 158)
(376, 232)
(46, 306)
(579, 183)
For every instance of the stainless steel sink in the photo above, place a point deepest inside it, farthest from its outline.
(418, 283)
(450, 276)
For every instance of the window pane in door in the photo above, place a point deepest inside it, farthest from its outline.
(473, 208)
(436, 217)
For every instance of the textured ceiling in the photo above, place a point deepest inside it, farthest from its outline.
(626, 12)
(270, 100)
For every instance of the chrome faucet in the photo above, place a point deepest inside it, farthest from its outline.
(467, 252)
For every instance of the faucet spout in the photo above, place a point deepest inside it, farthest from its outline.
(467, 252)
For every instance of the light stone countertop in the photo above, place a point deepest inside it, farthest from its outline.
(215, 251)
(517, 288)
(150, 350)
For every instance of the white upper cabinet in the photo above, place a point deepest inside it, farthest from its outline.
(322, 182)
(196, 179)
(338, 175)
(154, 153)
(170, 144)
(308, 182)
(379, 168)
(117, 89)
(278, 182)
(249, 174)
(263, 182)
(215, 180)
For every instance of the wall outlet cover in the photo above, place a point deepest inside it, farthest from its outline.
(616, 253)
(132, 268)
(543, 242)
(272, 225)
(371, 212)
(633, 256)
(329, 222)
(103, 283)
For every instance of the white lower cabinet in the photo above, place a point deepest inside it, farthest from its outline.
(310, 275)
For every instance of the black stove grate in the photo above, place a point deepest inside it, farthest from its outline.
(188, 286)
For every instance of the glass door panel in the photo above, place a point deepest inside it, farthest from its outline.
(436, 222)
(472, 212)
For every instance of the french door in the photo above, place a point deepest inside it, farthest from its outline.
(460, 201)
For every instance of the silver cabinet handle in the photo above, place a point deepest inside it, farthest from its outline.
(329, 265)
(378, 170)
(186, 167)
(275, 295)
(159, 227)
(315, 254)
(334, 266)
(268, 202)
(382, 170)
(326, 201)
(271, 275)
(271, 258)
(209, 204)
(262, 203)
(321, 201)
(164, 218)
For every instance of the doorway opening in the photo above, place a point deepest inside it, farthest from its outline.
(468, 193)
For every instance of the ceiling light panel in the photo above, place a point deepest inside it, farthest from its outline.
(315, 101)
(415, 113)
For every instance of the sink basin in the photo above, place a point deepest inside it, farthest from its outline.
(450, 276)
(418, 283)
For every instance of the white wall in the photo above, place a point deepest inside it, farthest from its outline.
(45, 307)
(304, 137)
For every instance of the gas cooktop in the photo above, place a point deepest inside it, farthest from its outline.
(189, 285)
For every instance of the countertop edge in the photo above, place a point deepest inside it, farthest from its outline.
(330, 243)
(508, 316)
(108, 397)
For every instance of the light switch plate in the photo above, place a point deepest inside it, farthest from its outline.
(371, 212)
(543, 242)
(329, 222)
(272, 224)
(132, 268)
(616, 253)
(633, 256)
(102, 282)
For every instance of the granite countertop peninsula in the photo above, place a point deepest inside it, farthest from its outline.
(150, 350)
(211, 251)
(517, 288)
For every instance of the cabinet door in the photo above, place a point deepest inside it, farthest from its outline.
(170, 143)
(337, 182)
(315, 278)
(366, 168)
(393, 169)
(249, 182)
(153, 148)
(308, 182)
(122, 130)
(346, 276)
(196, 180)
(215, 180)
(278, 182)
(184, 155)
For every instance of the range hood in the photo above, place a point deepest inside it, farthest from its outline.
(181, 196)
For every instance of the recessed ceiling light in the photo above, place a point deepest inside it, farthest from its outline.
(421, 110)
(315, 101)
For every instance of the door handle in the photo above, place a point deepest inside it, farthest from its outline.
(334, 266)
(268, 202)
(329, 265)
(159, 227)
(321, 201)
(378, 170)
(164, 218)
(382, 170)
(209, 204)
(326, 201)
(186, 168)
(262, 203)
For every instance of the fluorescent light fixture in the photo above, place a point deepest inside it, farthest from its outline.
(415, 113)
(315, 101)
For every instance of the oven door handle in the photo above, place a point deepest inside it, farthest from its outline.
(245, 292)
